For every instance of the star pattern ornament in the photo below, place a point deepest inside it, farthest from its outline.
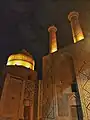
(83, 80)
(29, 91)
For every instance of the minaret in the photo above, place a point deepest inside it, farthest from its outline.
(53, 43)
(75, 25)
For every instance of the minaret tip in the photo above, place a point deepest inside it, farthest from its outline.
(52, 28)
(72, 14)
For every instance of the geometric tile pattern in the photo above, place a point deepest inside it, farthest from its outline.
(50, 114)
(72, 99)
(29, 91)
(83, 80)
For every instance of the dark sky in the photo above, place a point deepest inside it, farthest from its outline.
(24, 24)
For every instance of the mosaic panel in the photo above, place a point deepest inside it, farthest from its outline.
(29, 91)
(84, 89)
(49, 110)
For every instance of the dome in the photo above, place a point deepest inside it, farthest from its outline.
(21, 59)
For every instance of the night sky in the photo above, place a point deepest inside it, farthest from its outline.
(24, 24)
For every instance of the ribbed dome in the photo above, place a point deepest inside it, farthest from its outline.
(21, 59)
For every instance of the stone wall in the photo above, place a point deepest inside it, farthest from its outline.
(80, 53)
(57, 76)
(61, 69)
(18, 94)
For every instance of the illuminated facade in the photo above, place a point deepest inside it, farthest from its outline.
(75, 26)
(66, 75)
(63, 93)
(19, 95)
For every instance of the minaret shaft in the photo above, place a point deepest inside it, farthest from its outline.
(53, 42)
(75, 26)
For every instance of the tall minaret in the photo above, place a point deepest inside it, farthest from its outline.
(75, 25)
(53, 42)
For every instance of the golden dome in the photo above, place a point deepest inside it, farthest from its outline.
(21, 59)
